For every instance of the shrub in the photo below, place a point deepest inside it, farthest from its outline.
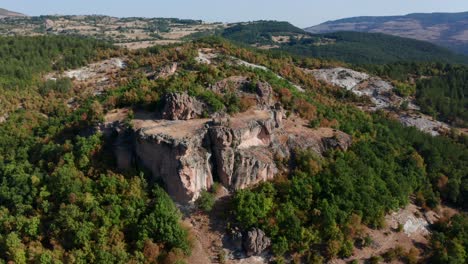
(206, 201)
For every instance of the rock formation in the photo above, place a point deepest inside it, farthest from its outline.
(182, 163)
(243, 87)
(187, 154)
(181, 106)
(167, 70)
(255, 242)
(383, 97)
(241, 148)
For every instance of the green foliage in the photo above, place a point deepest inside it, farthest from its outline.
(161, 223)
(350, 47)
(260, 32)
(404, 89)
(441, 89)
(376, 48)
(23, 57)
(206, 201)
(449, 242)
(252, 208)
(62, 85)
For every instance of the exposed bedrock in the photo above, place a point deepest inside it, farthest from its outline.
(242, 149)
(181, 106)
(182, 164)
(243, 87)
(239, 150)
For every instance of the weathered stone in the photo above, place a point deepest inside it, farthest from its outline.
(338, 141)
(181, 106)
(255, 242)
(241, 86)
(240, 150)
(167, 70)
(182, 164)
(265, 93)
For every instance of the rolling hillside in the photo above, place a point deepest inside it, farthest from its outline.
(7, 13)
(447, 29)
(351, 47)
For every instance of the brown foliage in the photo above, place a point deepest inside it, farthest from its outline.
(285, 96)
(246, 103)
(305, 109)
(151, 251)
(174, 256)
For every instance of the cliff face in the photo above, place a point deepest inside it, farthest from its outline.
(237, 150)
(241, 148)
(183, 165)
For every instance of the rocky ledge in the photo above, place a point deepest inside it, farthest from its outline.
(238, 151)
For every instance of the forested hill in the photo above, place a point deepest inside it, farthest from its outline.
(351, 47)
(64, 199)
(446, 29)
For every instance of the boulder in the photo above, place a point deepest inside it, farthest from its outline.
(49, 24)
(181, 106)
(337, 141)
(255, 242)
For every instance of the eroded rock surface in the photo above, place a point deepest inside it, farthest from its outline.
(187, 153)
(182, 163)
(255, 242)
(241, 148)
(262, 92)
(181, 106)
(381, 94)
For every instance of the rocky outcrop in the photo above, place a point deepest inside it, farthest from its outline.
(181, 106)
(340, 141)
(241, 149)
(238, 150)
(182, 164)
(49, 24)
(243, 87)
(265, 93)
(167, 70)
(255, 242)
(383, 97)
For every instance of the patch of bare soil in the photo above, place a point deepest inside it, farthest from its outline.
(210, 232)
(94, 78)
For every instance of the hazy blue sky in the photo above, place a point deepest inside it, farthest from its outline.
(300, 12)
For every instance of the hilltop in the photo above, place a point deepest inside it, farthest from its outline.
(446, 29)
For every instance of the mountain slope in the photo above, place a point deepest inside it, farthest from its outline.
(7, 13)
(351, 47)
(447, 29)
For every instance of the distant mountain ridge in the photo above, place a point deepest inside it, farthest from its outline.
(7, 13)
(446, 29)
(351, 47)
